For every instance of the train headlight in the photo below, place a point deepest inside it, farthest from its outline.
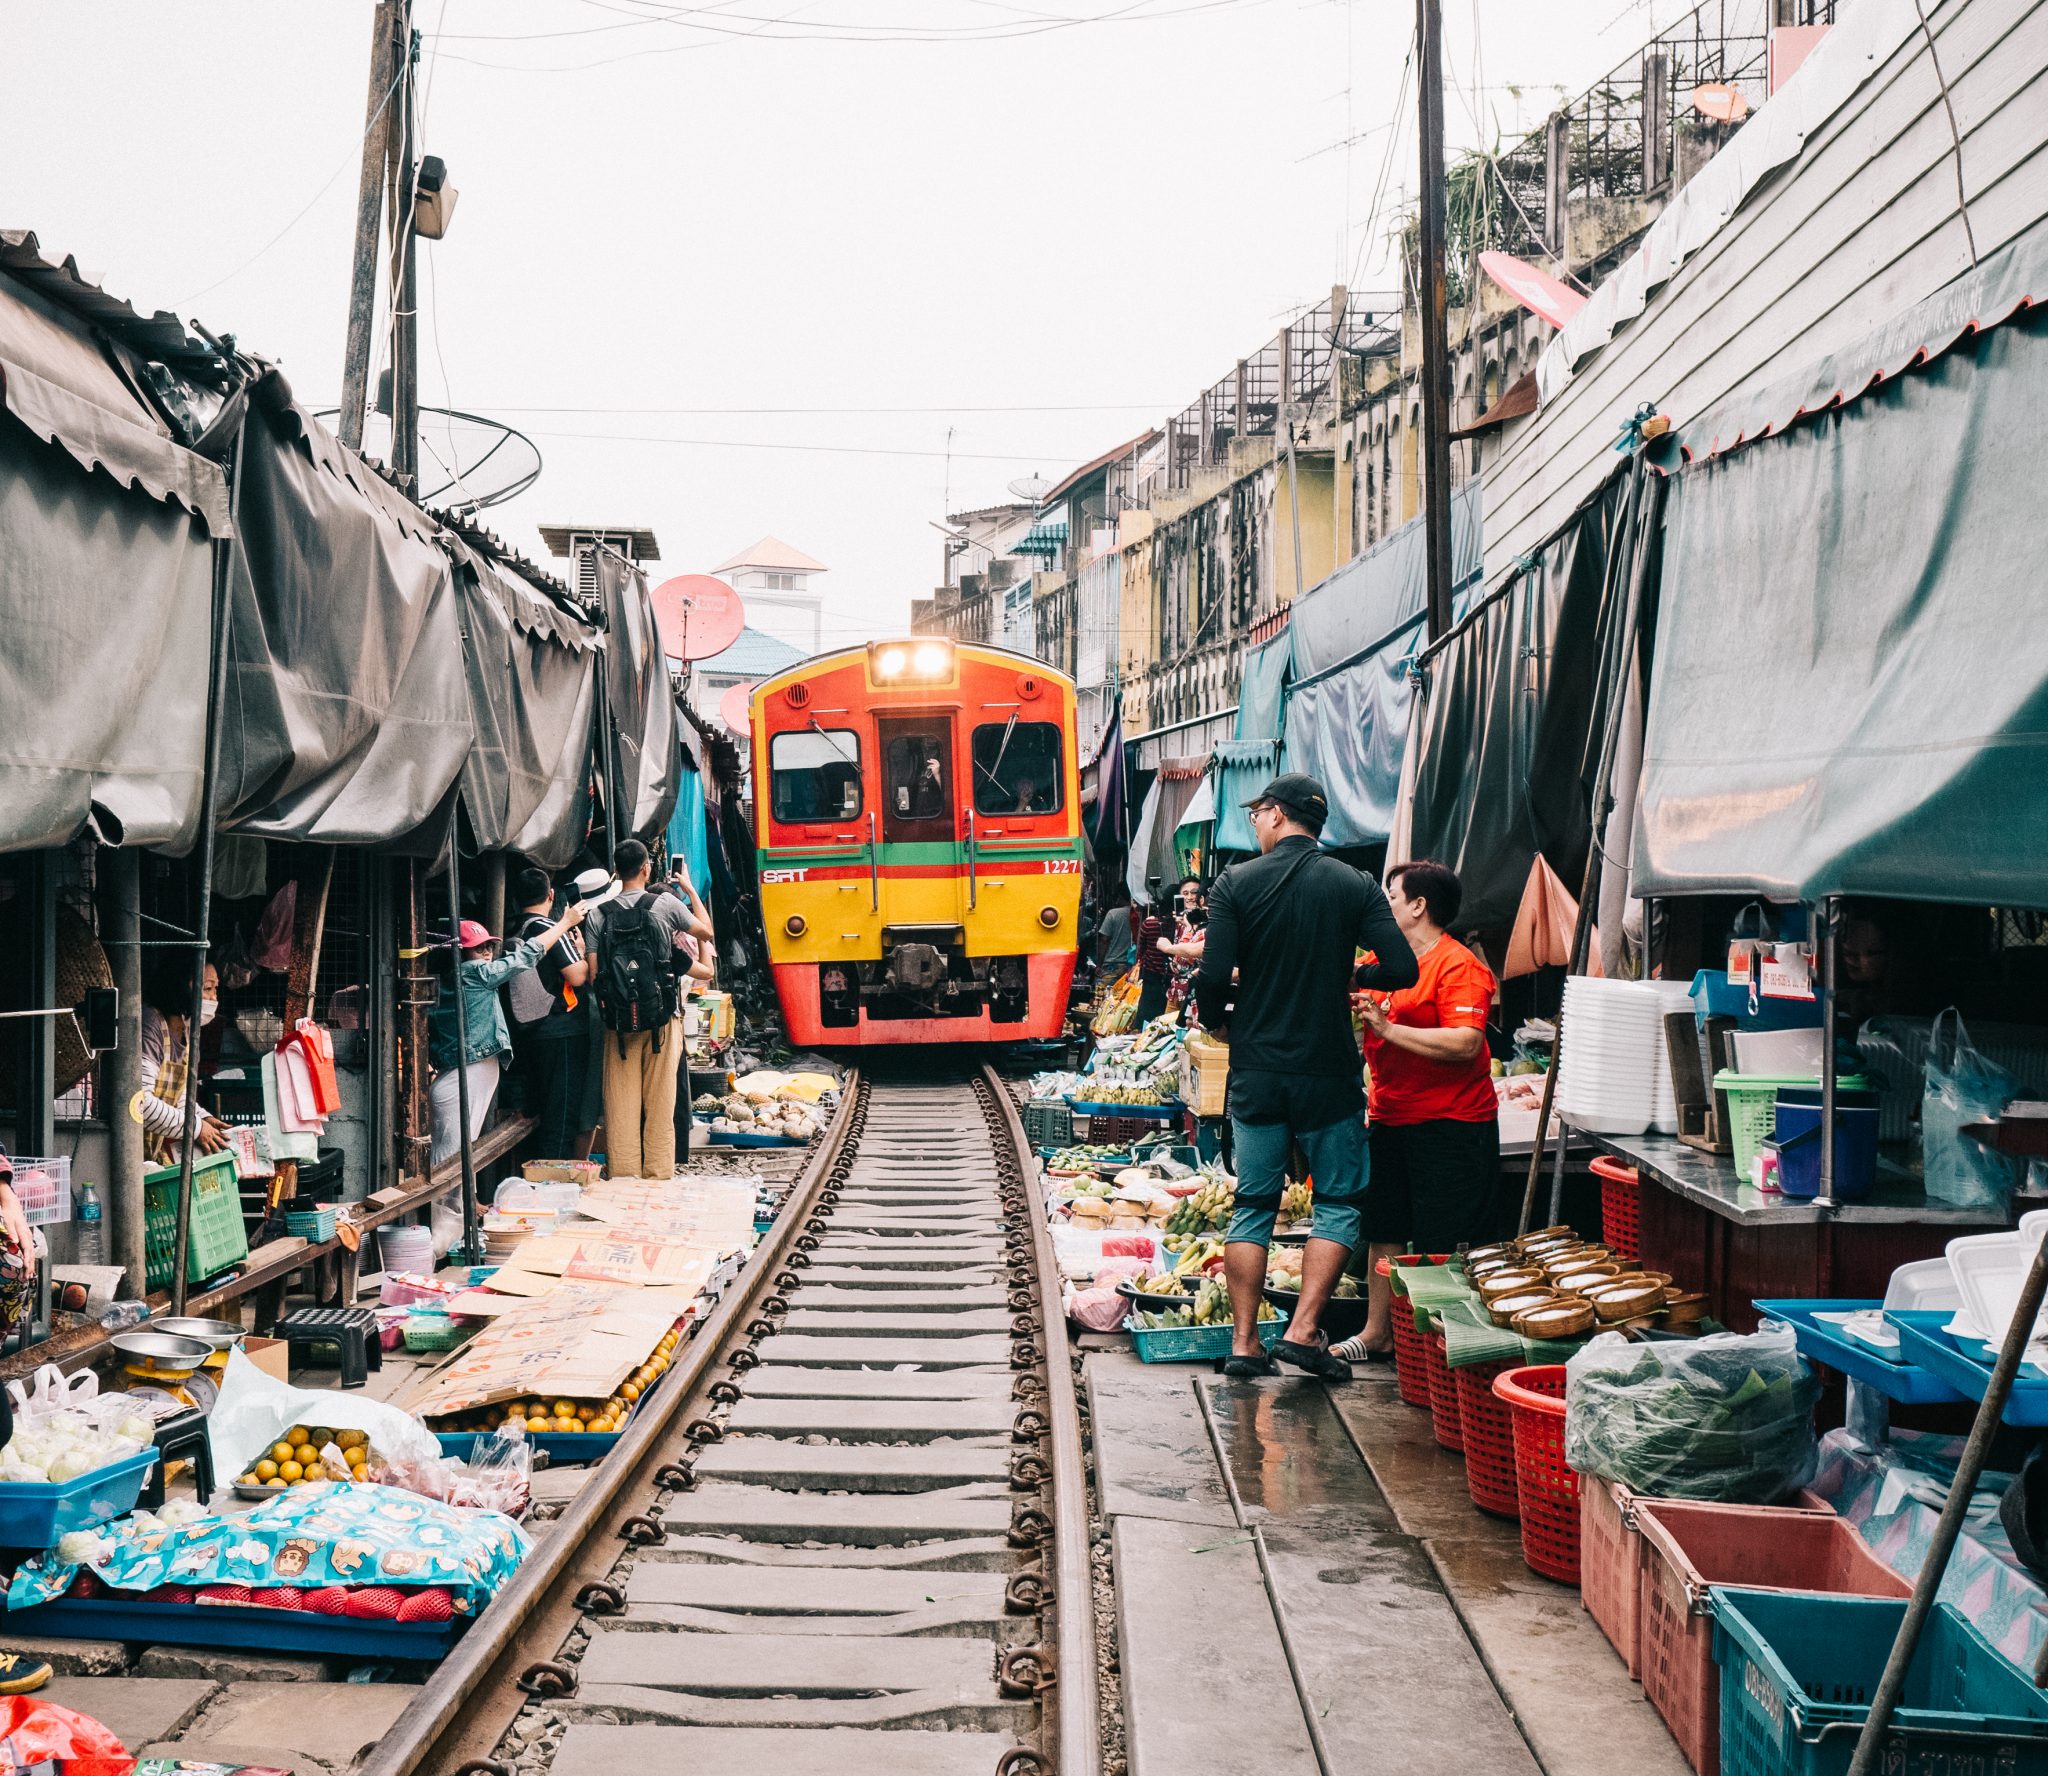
(1048, 917)
(891, 662)
(932, 659)
(796, 925)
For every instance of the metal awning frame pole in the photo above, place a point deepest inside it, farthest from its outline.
(471, 1245)
(209, 798)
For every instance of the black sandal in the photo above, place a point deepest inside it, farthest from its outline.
(1247, 1368)
(1317, 1359)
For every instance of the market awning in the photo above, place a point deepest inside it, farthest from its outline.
(1503, 735)
(1048, 539)
(1243, 768)
(639, 698)
(1351, 613)
(1202, 809)
(532, 671)
(1259, 695)
(348, 713)
(1850, 695)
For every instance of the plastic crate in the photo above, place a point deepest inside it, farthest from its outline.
(1621, 1206)
(1102, 1129)
(1798, 1672)
(433, 1332)
(1192, 1344)
(1049, 1124)
(1610, 1565)
(1689, 1548)
(220, 1237)
(1753, 1108)
(43, 1188)
(1443, 1394)
(34, 1514)
(1549, 1489)
(315, 1224)
(1488, 1432)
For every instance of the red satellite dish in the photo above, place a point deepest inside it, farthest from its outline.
(698, 616)
(1535, 289)
(732, 709)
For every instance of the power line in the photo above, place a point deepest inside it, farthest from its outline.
(1091, 407)
(808, 449)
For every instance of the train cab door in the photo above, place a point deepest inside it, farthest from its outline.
(919, 808)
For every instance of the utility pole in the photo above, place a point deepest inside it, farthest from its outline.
(1434, 298)
(405, 330)
(362, 289)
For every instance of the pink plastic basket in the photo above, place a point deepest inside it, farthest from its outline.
(1610, 1554)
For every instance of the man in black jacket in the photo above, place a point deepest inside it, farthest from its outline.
(1289, 924)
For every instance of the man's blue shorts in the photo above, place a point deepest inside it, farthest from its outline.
(1337, 1160)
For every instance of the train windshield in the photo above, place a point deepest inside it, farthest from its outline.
(815, 775)
(1017, 768)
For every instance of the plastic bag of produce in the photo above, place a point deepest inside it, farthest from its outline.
(1962, 1087)
(1097, 1310)
(1726, 1419)
(40, 1735)
(254, 1408)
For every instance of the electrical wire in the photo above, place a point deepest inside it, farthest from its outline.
(808, 449)
(1092, 407)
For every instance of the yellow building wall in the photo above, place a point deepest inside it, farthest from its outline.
(1316, 494)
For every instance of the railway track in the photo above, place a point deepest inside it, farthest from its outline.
(856, 1538)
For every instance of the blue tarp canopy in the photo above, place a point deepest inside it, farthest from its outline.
(1265, 682)
(1346, 713)
(1241, 769)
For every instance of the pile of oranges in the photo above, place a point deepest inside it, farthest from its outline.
(294, 1459)
(538, 1415)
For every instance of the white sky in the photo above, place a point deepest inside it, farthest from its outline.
(672, 225)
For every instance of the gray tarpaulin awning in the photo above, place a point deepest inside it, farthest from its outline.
(1850, 692)
(348, 714)
(1504, 732)
(640, 699)
(105, 576)
(532, 672)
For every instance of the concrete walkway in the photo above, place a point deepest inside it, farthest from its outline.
(1303, 1589)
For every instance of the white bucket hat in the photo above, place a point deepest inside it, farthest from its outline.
(596, 886)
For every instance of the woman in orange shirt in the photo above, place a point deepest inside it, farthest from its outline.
(1435, 1132)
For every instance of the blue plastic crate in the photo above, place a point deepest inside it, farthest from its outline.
(1904, 1380)
(1192, 1344)
(1798, 1670)
(1143, 1112)
(34, 1514)
(1924, 1338)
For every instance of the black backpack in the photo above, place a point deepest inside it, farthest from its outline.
(636, 977)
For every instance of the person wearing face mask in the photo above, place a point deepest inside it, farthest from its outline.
(168, 1057)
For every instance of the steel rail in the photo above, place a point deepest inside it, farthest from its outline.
(462, 1711)
(1078, 1736)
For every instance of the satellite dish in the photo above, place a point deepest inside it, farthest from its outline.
(1720, 103)
(1031, 487)
(698, 616)
(732, 709)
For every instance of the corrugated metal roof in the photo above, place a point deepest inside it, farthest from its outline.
(161, 335)
(754, 655)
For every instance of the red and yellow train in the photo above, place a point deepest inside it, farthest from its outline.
(917, 809)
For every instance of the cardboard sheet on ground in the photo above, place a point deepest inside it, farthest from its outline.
(578, 1343)
(712, 1214)
(626, 1258)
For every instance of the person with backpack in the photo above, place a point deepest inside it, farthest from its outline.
(486, 1038)
(642, 943)
(1275, 982)
(550, 1005)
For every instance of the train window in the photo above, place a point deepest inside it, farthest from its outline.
(1017, 768)
(815, 775)
(916, 771)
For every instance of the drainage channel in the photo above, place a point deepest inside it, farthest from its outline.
(854, 1548)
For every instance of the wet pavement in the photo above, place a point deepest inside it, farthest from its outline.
(1304, 1588)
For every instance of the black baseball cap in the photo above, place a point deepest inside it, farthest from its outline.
(1300, 794)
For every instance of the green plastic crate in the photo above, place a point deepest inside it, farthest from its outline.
(220, 1237)
(1193, 1344)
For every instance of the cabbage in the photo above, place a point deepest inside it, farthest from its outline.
(178, 1512)
(82, 1547)
(138, 1428)
(73, 1464)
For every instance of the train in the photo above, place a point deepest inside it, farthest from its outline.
(917, 817)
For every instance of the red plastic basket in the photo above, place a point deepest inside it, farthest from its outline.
(1687, 1548)
(1443, 1394)
(1411, 1372)
(1488, 1430)
(1621, 1210)
(1610, 1565)
(1549, 1490)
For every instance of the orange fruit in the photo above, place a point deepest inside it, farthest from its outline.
(289, 1471)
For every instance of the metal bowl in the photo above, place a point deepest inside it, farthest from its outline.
(163, 1349)
(219, 1334)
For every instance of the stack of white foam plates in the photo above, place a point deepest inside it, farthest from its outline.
(1610, 1058)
